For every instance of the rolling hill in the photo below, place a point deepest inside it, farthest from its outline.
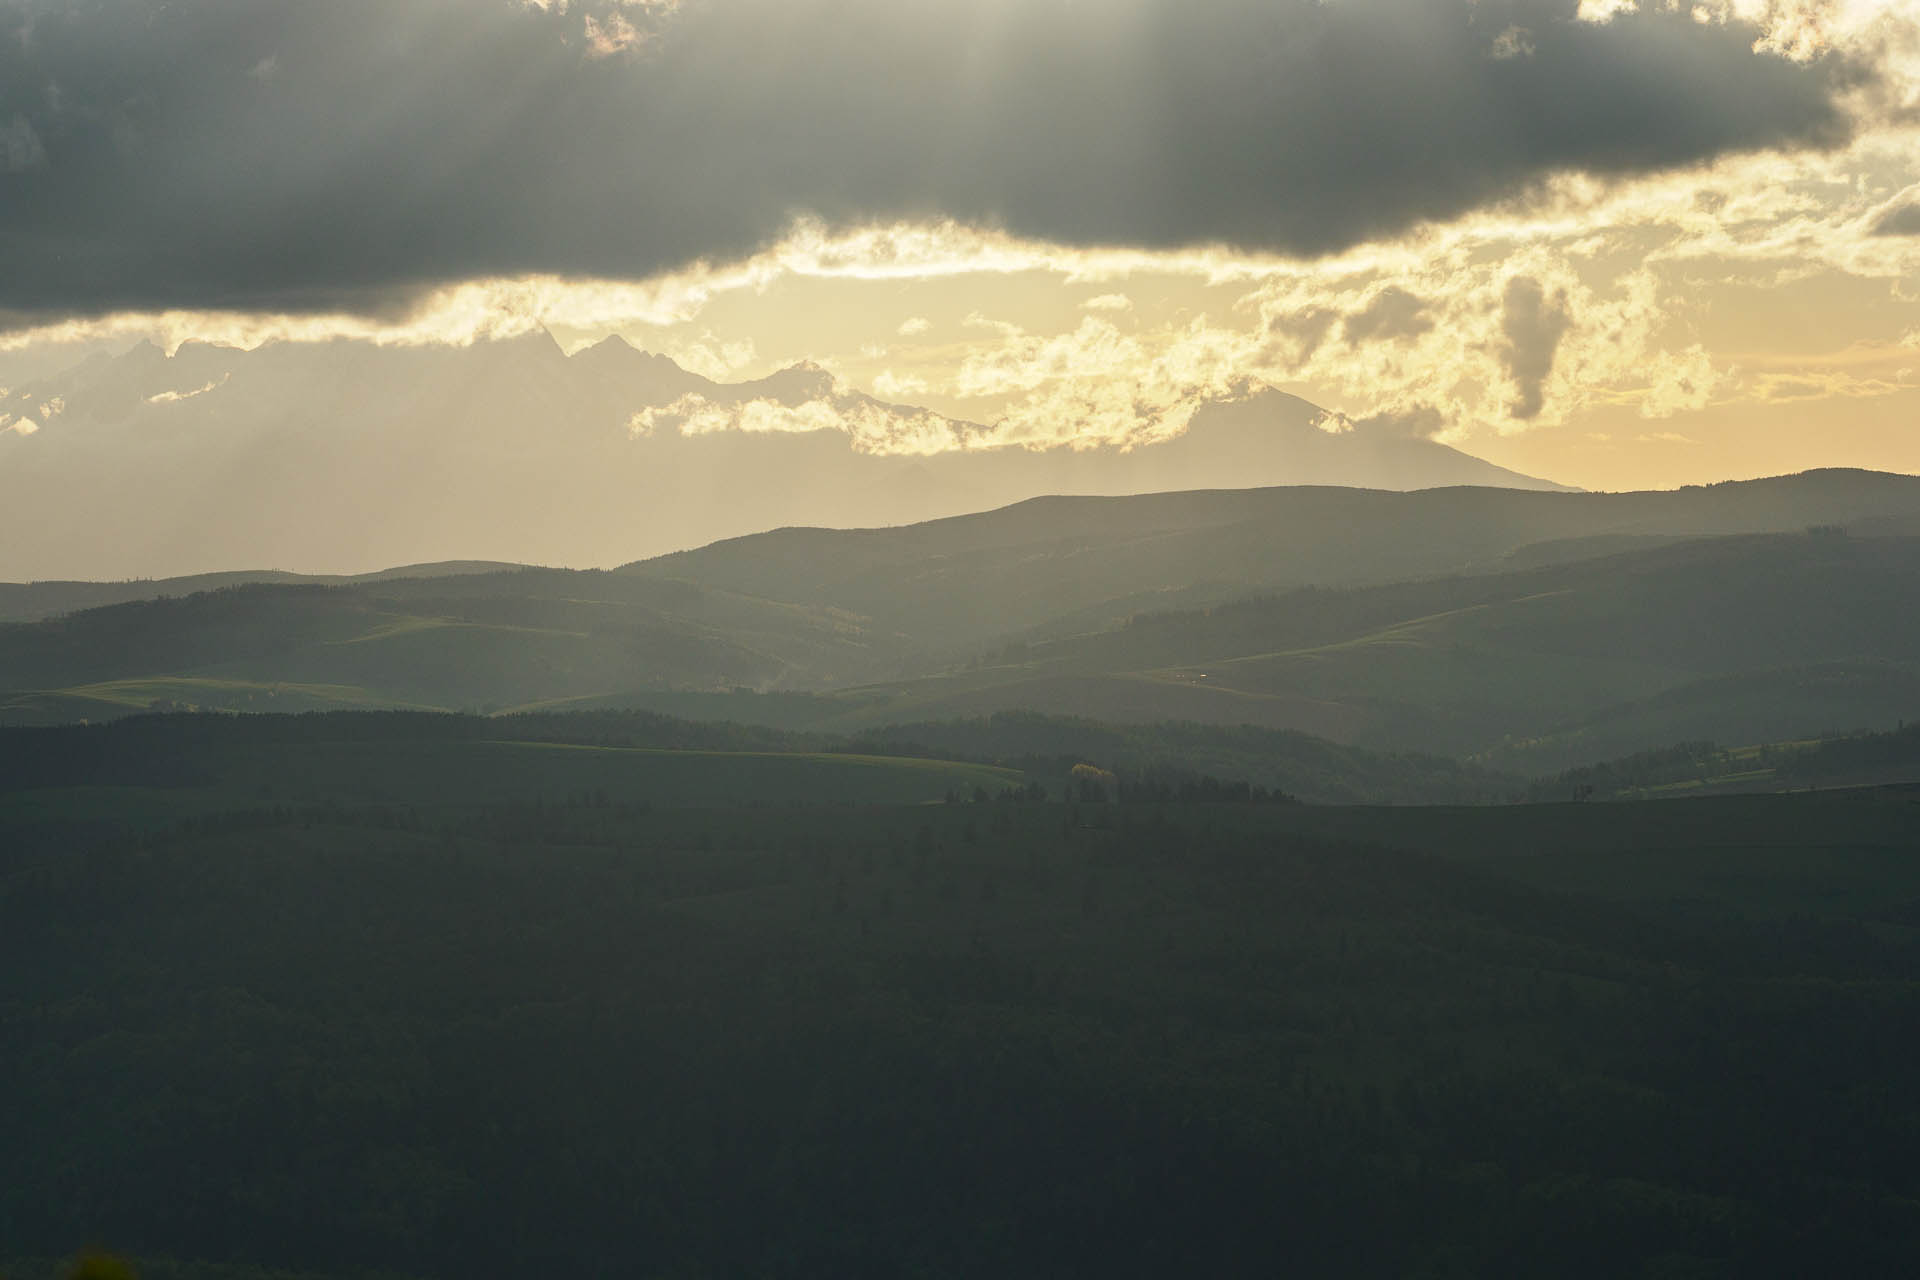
(1532, 631)
(1739, 639)
(1075, 564)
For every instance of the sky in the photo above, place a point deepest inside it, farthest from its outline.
(1617, 244)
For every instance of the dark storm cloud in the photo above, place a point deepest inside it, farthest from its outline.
(1534, 325)
(295, 154)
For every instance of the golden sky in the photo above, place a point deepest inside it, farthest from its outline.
(1605, 323)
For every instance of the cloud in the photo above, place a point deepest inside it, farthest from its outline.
(1108, 302)
(1420, 422)
(1391, 314)
(1533, 325)
(871, 427)
(613, 34)
(1900, 220)
(174, 397)
(914, 326)
(1306, 329)
(411, 144)
(1514, 42)
(895, 386)
(710, 357)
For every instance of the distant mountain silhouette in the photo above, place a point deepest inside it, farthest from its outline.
(342, 454)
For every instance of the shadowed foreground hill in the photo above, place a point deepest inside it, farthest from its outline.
(576, 1030)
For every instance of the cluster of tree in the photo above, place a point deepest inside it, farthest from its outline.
(1858, 757)
(1873, 756)
(1682, 762)
(1278, 760)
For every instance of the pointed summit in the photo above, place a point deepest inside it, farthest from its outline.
(611, 345)
(795, 384)
(636, 378)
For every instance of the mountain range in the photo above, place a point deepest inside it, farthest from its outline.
(346, 453)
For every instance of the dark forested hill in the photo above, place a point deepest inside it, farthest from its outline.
(394, 1006)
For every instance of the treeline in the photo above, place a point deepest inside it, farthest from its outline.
(1166, 760)
(1867, 757)
(1682, 762)
(1278, 760)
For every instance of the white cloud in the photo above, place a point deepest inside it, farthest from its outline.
(894, 386)
(914, 326)
(869, 426)
(174, 397)
(616, 34)
(1108, 302)
(710, 357)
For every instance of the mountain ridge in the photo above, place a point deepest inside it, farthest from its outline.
(154, 465)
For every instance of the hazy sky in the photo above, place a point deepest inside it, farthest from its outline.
(1612, 243)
